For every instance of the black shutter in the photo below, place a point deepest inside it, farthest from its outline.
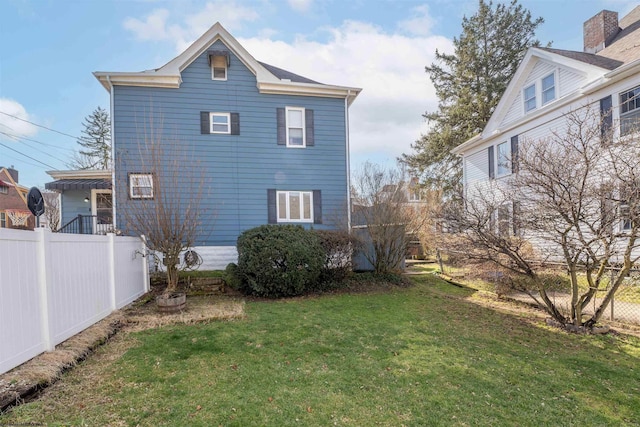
(235, 123)
(317, 207)
(492, 173)
(514, 154)
(282, 126)
(606, 119)
(308, 122)
(272, 212)
(205, 125)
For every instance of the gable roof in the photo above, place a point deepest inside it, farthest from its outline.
(625, 46)
(8, 179)
(270, 79)
(587, 58)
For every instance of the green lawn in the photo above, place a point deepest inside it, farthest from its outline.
(423, 356)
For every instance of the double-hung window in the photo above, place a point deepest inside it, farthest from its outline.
(548, 88)
(3, 189)
(630, 111)
(295, 206)
(141, 185)
(529, 95)
(219, 67)
(220, 123)
(295, 127)
(3, 220)
(504, 159)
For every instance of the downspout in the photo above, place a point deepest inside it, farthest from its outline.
(346, 125)
(113, 154)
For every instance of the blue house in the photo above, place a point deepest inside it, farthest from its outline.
(261, 144)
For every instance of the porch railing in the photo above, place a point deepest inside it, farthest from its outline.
(85, 224)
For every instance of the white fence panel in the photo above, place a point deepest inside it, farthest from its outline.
(131, 270)
(53, 286)
(79, 293)
(20, 313)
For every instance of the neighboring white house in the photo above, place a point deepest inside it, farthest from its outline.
(551, 82)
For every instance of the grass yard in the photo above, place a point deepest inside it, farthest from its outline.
(427, 355)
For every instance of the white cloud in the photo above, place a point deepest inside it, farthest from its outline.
(14, 126)
(420, 23)
(155, 26)
(300, 5)
(387, 116)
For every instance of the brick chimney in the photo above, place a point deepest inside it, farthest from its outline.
(600, 30)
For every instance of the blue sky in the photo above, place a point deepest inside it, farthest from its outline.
(48, 50)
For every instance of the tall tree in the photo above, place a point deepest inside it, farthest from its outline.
(95, 142)
(469, 84)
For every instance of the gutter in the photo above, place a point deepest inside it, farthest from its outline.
(348, 158)
(113, 153)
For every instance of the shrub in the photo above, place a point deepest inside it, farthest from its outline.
(232, 276)
(279, 261)
(338, 247)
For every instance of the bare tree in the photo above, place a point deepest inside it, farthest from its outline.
(382, 216)
(575, 200)
(165, 198)
(52, 209)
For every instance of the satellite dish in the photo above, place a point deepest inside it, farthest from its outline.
(35, 202)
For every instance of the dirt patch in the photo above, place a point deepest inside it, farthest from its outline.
(24, 382)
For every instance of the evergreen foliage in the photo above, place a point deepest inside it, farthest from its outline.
(469, 84)
(279, 261)
(95, 142)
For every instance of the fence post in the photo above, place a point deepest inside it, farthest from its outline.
(44, 279)
(145, 264)
(612, 296)
(439, 258)
(112, 270)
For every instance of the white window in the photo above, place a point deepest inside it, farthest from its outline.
(220, 122)
(3, 189)
(219, 68)
(295, 206)
(629, 111)
(529, 98)
(3, 220)
(295, 127)
(415, 194)
(548, 88)
(504, 163)
(141, 186)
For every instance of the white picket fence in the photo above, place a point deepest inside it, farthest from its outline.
(54, 285)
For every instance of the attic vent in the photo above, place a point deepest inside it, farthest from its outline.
(218, 53)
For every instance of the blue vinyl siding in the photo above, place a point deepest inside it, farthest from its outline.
(237, 169)
(73, 204)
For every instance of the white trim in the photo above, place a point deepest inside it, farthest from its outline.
(555, 88)
(81, 174)
(213, 68)
(525, 100)
(507, 144)
(303, 126)
(227, 115)
(287, 216)
(348, 162)
(140, 196)
(169, 75)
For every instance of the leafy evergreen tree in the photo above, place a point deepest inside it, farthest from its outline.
(469, 84)
(95, 142)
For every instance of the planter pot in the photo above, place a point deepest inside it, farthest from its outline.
(171, 303)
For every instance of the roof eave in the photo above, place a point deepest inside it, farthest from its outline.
(308, 89)
(80, 174)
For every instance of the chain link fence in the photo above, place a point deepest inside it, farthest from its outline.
(623, 308)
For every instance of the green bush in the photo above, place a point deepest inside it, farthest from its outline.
(232, 277)
(279, 261)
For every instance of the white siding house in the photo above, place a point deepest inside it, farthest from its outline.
(550, 83)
